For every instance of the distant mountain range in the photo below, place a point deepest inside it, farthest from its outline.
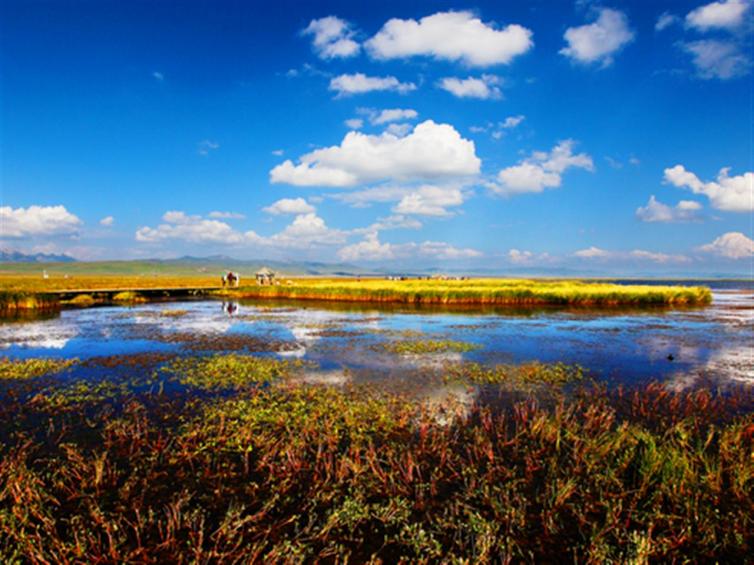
(10, 256)
(217, 264)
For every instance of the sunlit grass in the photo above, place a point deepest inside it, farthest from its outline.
(483, 291)
(32, 368)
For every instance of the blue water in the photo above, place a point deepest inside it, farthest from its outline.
(712, 343)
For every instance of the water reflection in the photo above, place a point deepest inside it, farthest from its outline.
(346, 341)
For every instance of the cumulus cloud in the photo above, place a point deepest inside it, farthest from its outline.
(596, 253)
(519, 257)
(717, 59)
(592, 253)
(391, 115)
(430, 200)
(37, 221)
(485, 87)
(731, 245)
(289, 206)
(107, 221)
(599, 41)
(305, 231)
(731, 194)
(359, 83)
(542, 170)
(371, 249)
(728, 14)
(655, 257)
(656, 211)
(450, 36)
(180, 226)
(665, 20)
(226, 215)
(512, 121)
(431, 151)
(332, 37)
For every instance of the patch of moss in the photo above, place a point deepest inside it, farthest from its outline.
(420, 347)
(129, 297)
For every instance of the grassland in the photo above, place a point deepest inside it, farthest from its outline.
(273, 471)
(481, 291)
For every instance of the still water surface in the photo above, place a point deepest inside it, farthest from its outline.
(677, 346)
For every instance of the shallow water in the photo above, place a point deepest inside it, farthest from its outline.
(342, 342)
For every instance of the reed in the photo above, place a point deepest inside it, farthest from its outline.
(483, 292)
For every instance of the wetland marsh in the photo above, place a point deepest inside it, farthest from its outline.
(296, 431)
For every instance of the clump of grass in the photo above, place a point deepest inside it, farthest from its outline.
(229, 370)
(535, 372)
(129, 297)
(14, 301)
(82, 300)
(426, 346)
(173, 313)
(32, 368)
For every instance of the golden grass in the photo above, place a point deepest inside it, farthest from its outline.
(481, 291)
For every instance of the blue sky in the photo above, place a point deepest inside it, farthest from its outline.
(501, 135)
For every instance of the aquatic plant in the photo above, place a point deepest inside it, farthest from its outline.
(533, 372)
(32, 368)
(291, 473)
(229, 370)
(424, 346)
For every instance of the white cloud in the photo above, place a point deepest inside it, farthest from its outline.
(596, 253)
(592, 253)
(107, 221)
(666, 20)
(398, 130)
(430, 201)
(728, 14)
(393, 222)
(655, 257)
(206, 146)
(520, 257)
(392, 115)
(354, 123)
(732, 245)
(290, 206)
(656, 211)
(732, 194)
(278, 152)
(486, 87)
(370, 249)
(306, 231)
(442, 250)
(226, 215)
(180, 226)
(359, 83)
(37, 221)
(430, 151)
(332, 37)
(512, 121)
(599, 41)
(717, 59)
(542, 170)
(451, 36)
(158, 76)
